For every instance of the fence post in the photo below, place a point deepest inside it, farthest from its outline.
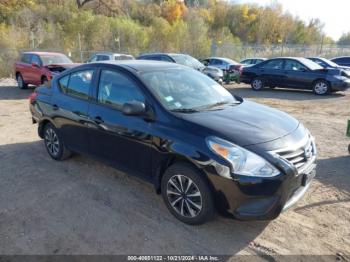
(81, 53)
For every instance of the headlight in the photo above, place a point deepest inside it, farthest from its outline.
(342, 78)
(243, 162)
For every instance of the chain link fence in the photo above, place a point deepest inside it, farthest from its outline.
(239, 52)
(9, 56)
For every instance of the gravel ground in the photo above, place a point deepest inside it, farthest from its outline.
(81, 206)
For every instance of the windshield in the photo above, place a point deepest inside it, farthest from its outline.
(230, 61)
(329, 62)
(55, 59)
(123, 57)
(310, 64)
(179, 89)
(187, 61)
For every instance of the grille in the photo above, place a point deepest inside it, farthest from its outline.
(300, 155)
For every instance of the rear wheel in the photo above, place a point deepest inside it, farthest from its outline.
(187, 195)
(20, 82)
(321, 87)
(54, 143)
(257, 84)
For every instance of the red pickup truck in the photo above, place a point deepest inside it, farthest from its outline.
(36, 68)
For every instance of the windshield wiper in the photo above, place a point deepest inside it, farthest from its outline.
(221, 104)
(184, 110)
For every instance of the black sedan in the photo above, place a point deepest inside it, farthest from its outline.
(201, 147)
(342, 60)
(300, 73)
(326, 63)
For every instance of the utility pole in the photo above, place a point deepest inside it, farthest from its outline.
(81, 53)
(117, 40)
(32, 39)
(321, 48)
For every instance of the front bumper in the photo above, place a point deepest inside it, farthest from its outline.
(341, 85)
(253, 198)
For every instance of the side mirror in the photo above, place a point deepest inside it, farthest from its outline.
(35, 64)
(134, 108)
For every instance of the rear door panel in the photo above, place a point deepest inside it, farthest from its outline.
(71, 114)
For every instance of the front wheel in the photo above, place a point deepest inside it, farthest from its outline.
(257, 84)
(321, 87)
(187, 194)
(54, 143)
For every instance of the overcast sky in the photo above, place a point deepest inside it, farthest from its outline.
(335, 14)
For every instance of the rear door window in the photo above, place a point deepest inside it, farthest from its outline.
(102, 57)
(276, 64)
(77, 84)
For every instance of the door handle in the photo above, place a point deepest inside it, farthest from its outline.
(55, 107)
(98, 120)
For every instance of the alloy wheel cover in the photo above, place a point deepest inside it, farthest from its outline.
(184, 196)
(52, 142)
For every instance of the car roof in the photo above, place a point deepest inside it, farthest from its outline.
(340, 57)
(289, 57)
(168, 54)
(111, 53)
(220, 58)
(261, 58)
(41, 53)
(142, 65)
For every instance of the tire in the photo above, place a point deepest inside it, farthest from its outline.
(20, 82)
(54, 143)
(321, 87)
(195, 208)
(257, 84)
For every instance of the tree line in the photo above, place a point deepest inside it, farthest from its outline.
(134, 26)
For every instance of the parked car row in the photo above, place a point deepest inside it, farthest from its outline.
(321, 75)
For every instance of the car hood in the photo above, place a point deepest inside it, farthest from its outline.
(66, 66)
(245, 124)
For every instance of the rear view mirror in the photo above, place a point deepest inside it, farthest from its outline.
(34, 64)
(134, 108)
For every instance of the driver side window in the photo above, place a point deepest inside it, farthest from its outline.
(115, 89)
(36, 60)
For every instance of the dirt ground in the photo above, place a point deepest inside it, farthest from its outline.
(81, 206)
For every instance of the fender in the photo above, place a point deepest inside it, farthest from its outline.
(177, 151)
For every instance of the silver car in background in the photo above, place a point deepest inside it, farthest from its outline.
(104, 56)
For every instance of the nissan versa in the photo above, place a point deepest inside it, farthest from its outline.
(204, 149)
